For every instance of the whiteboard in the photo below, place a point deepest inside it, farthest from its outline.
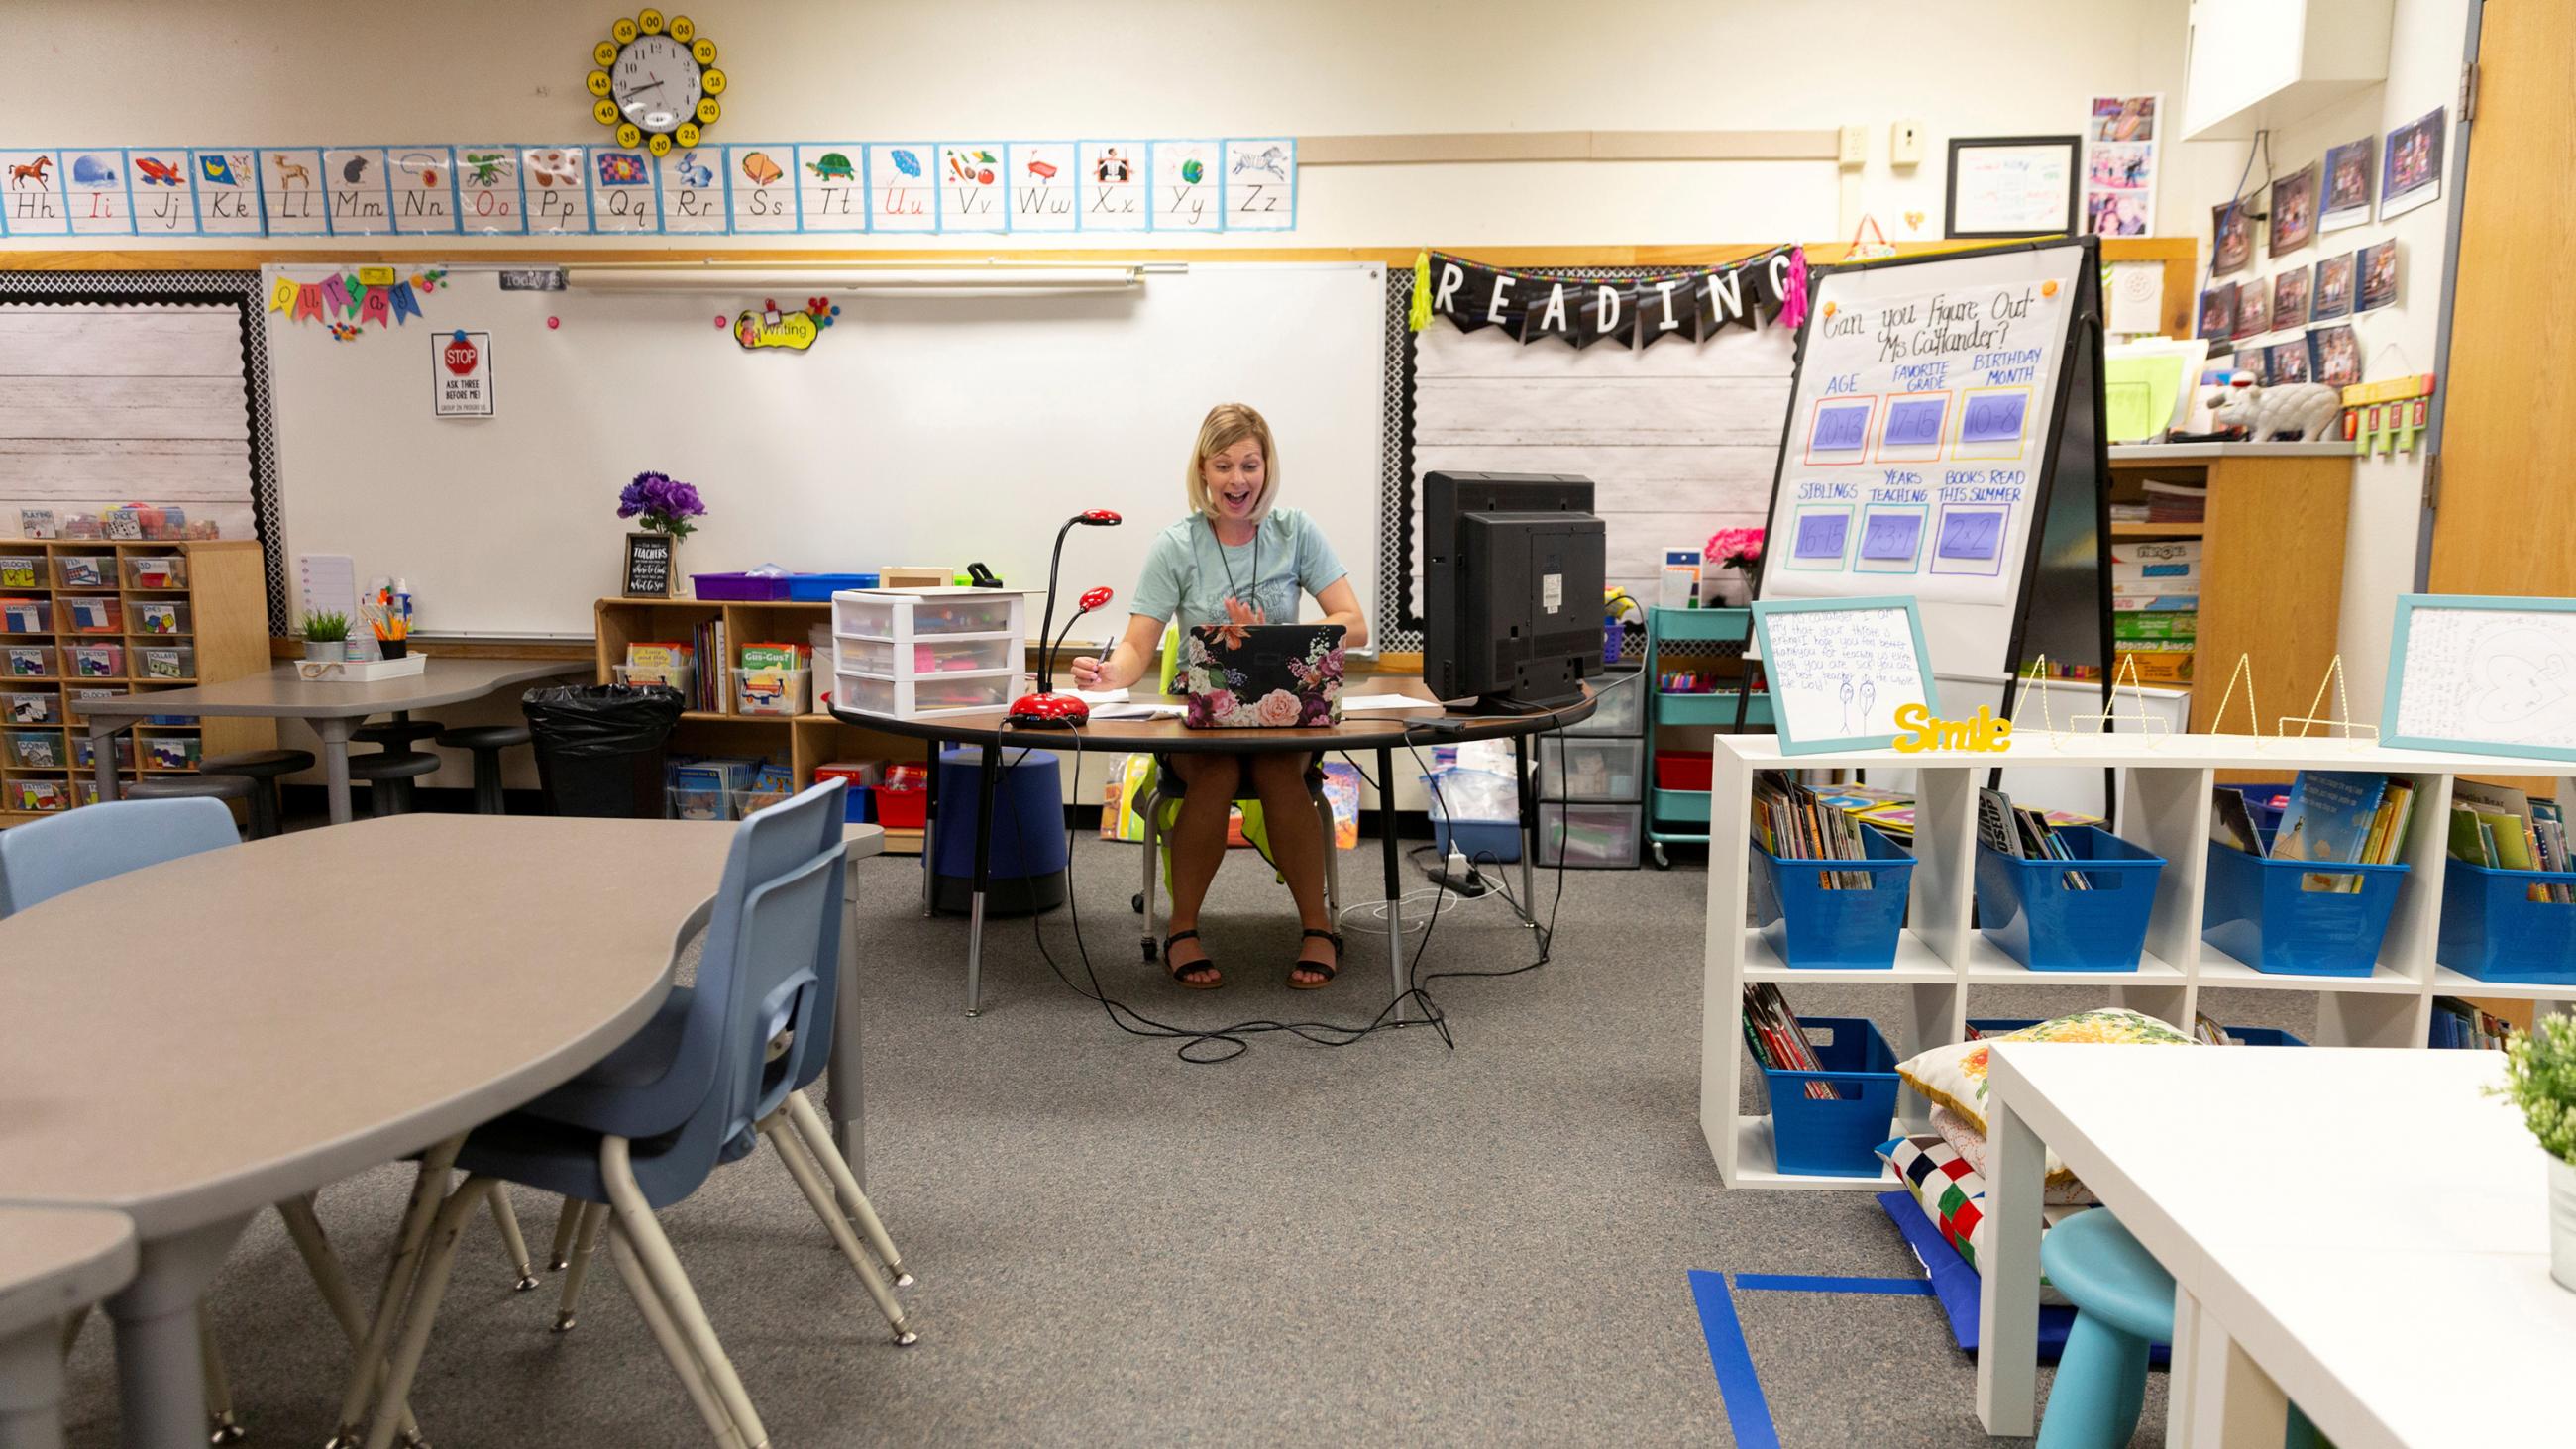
(2494, 675)
(919, 429)
(1918, 434)
(1839, 671)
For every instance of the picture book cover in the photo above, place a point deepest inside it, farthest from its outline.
(2230, 823)
(1995, 825)
(773, 656)
(2328, 819)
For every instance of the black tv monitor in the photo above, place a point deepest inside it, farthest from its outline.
(1511, 595)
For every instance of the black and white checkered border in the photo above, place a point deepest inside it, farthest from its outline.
(240, 288)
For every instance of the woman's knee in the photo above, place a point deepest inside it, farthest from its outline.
(1279, 771)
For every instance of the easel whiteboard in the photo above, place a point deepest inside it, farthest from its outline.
(929, 429)
(1918, 441)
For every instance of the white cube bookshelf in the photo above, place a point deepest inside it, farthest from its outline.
(2164, 792)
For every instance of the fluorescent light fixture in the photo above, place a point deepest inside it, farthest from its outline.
(828, 277)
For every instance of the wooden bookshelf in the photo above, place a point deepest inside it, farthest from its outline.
(226, 625)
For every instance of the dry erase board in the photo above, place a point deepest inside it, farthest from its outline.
(918, 429)
(1839, 669)
(1918, 439)
(2490, 675)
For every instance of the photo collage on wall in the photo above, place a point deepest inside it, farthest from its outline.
(2120, 165)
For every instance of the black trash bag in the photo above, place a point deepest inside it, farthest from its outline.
(600, 747)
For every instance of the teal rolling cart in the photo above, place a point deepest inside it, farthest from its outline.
(1691, 640)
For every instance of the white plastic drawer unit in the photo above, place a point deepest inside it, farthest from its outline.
(1590, 837)
(1621, 708)
(1609, 770)
(912, 614)
(929, 695)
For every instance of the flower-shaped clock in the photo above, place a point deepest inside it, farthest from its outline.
(656, 81)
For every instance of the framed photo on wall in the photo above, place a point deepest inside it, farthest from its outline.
(2012, 186)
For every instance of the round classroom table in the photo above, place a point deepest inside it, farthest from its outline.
(54, 1262)
(1427, 723)
(196, 1040)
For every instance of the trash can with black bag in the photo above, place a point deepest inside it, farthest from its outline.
(600, 747)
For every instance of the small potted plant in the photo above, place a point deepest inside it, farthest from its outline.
(326, 636)
(2540, 1078)
(1733, 557)
(666, 507)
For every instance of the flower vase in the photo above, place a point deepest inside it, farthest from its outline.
(2562, 1221)
(322, 649)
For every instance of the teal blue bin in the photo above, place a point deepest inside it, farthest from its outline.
(2027, 908)
(2258, 912)
(1816, 929)
(1835, 1133)
(2494, 931)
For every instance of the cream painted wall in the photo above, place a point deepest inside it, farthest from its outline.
(2427, 40)
(318, 71)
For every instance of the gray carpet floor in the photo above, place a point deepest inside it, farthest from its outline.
(1391, 1242)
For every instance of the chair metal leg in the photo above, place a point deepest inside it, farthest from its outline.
(692, 1374)
(567, 1218)
(593, 1218)
(1332, 862)
(221, 1426)
(809, 1124)
(427, 1189)
(508, 1222)
(662, 1266)
(304, 1227)
(1152, 816)
(809, 1181)
(421, 1314)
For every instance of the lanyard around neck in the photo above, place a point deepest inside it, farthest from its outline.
(1234, 590)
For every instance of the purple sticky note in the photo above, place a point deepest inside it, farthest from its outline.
(1820, 535)
(1993, 418)
(1891, 535)
(1915, 422)
(1971, 535)
(1841, 429)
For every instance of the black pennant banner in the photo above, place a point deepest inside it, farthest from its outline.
(1634, 312)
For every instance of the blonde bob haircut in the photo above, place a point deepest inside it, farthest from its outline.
(1226, 425)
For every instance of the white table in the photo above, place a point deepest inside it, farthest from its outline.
(191, 1042)
(2360, 1231)
(54, 1262)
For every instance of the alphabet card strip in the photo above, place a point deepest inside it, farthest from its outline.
(902, 196)
(353, 185)
(291, 194)
(1188, 193)
(227, 185)
(970, 186)
(165, 199)
(1113, 186)
(831, 182)
(99, 203)
(491, 195)
(761, 191)
(622, 193)
(1043, 179)
(558, 198)
(422, 180)
(1261, 184)
(34, 194)
(693, 190)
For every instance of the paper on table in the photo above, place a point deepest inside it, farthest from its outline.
(1099, 696)
(1365, 703)
(1125, 710)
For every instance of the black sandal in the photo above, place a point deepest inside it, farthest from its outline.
(1328, 969)
(1204, 963)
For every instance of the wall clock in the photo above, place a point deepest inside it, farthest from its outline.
(656, 81)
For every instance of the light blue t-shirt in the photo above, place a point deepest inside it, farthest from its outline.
(1189, 573)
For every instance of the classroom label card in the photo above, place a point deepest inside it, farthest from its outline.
(1820, 538)
(291, 192)
(34, 195)
(460, 374)
(1972, 539)
(763, 191)
(227, 187)
(558, 198)
(423, 182)
(1841, 430)
(693, 190)
(622, 193)
(1113, 186)
(98, 201)
(1188, 195)
(971, 192)
(489, 198)
(360, 198)
(902, 194)
(164, 192)
(1891, 539)
(1261, 184)
(1042, 178)
(1914, 426)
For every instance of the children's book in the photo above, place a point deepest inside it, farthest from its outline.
(773, 656)
(2328, 819)
(2230, 823)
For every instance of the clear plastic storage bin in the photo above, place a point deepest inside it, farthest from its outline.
(160, 617)
(904, 616)
(707, 802)
(26, 616)
(171, 752)
(160, 571)
(771, 691)
(27, 661)
(681, 677)
(1621, 709)
(38, 750)
(84, 571)
(933, 695)
(1590, 837)
(165, 661)
(31, 707)
(1579, 769)
(96, 614)
(95, 661)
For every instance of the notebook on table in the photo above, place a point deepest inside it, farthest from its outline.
(1260, 676)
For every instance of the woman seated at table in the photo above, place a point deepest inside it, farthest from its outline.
(1237, 559)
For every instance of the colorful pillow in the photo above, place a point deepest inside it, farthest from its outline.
(1954, 1076)
(1953, 1196)
(2061, 1186)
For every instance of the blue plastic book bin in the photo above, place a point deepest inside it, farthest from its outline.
(2264, 1036)
(2258, 804)
(1836, 1136)
(2492, 930)
(1816, 929)
(2027, 907)
(2258, 912)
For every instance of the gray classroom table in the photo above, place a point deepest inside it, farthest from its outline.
(333, 710)
(54, 1262)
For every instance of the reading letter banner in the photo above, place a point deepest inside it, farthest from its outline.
(1633, 311)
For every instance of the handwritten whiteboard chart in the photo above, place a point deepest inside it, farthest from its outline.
(1840, 669)
(2490, 675)
(1918, 450)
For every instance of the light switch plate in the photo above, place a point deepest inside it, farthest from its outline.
(1905, 143)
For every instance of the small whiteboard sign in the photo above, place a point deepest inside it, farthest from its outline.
(2487, 675)
(1839, 669)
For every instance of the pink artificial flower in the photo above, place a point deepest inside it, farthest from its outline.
(1278, 708)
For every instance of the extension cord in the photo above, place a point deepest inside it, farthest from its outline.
(1457, 876)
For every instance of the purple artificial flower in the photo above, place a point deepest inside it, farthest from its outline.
(666, 506)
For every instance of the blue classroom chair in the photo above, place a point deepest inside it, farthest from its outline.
(643, 1128)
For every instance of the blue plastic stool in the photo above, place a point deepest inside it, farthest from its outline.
(2124, 1302)
(1028, 871)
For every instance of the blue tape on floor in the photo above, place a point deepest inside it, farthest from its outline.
(1747, 1412)
(1799, 1283)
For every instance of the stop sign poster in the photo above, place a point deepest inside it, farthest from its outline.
(460, 371)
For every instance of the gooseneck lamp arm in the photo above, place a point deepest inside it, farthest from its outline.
(1095, 518)
(1091, 599)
